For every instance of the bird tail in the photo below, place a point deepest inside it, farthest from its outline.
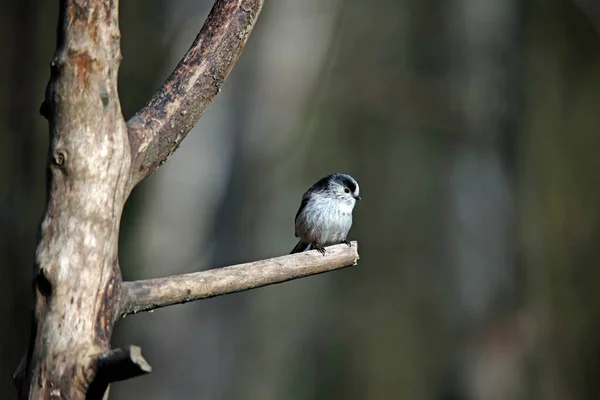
(300, 247)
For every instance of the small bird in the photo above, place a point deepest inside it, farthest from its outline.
(325, 213)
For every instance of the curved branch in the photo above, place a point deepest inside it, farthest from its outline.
(150, 294)
(158, 128)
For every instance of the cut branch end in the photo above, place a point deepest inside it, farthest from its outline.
(117, 365)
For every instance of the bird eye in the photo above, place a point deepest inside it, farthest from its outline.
(347, 190)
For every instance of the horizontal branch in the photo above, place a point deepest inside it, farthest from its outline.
(150, 294)
(158, 128)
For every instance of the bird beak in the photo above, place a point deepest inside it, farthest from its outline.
(357, 197)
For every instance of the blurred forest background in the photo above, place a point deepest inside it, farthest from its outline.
(472, 127)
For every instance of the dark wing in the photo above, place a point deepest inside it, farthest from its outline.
(320, 186)
(302, 206)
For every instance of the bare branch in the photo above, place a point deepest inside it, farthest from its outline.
(150, 294)
(158, 128)
(117, 365)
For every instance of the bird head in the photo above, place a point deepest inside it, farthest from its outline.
(344, 186)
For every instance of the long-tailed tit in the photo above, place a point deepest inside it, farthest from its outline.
(325, 214)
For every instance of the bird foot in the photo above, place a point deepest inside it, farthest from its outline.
(347, 242)
(319, 248)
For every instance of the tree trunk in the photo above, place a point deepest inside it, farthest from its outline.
(89, 161)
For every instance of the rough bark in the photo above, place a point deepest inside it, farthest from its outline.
(77, 276)
(159, 127)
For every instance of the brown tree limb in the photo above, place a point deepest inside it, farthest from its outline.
(146, 295)
(158, 128)
(117, 365)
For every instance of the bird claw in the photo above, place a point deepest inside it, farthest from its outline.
(347, 242)
(319, 248)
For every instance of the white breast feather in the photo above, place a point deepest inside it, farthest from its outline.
(345, 207)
